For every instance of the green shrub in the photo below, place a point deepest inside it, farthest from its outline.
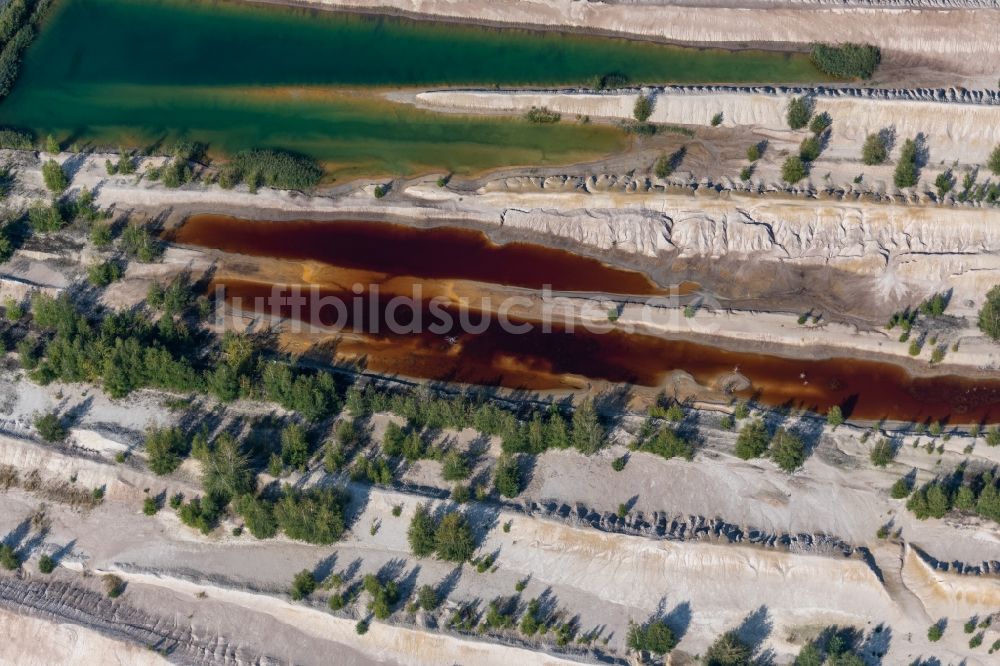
(752, 441)
(728, 650)
(202, 513)
(668, 443)
(944, 183)
(54, 177)
(882, 453)
(717, 119)
(46, 564)
(303, 584)
(935, 632)
(453, 538)
(643, 108)
(618, 464)
(798, 113)
(874, 150)
(989, 314)
(258, 516)
(113, 585)
(834, 416)
(542, 115)
(314, 516)
(994, 161)
(787, 450)
(165, 448)
(666, 164)
(294, 447)
(793, 170)
(746, 173)
(139, 244)
(753, 152)
(421, 533)
(427, 598)
(104, 273)
(45, 218)
(900, 489)
(588, 434)
(809, 149)
(50, 427)
(9, 559)
(906, 174)
(149, 506)
(846, 61)
(461, 493)
(820, 123)
(655, 637)
(455, 467)
(507, 476)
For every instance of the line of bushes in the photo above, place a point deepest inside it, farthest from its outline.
(17, 30)
(974, 493)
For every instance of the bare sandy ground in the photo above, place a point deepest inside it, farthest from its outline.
(920, 45)
(30, 641)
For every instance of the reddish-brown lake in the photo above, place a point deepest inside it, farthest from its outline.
(394, 249)
(536, 360)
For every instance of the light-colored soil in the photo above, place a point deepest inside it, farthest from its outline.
(30, 641)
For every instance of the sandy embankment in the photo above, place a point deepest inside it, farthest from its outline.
(965, 133)
(607, 578)
(30, 641)
(923, 46)
(900, 253)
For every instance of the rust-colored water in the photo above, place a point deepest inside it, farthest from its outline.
(393, 249)
(537, 360)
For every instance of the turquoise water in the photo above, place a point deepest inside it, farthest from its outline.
(136, 72)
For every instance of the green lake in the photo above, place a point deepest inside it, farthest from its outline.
(239, 76)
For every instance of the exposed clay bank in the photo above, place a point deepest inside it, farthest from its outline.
(533, 359)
